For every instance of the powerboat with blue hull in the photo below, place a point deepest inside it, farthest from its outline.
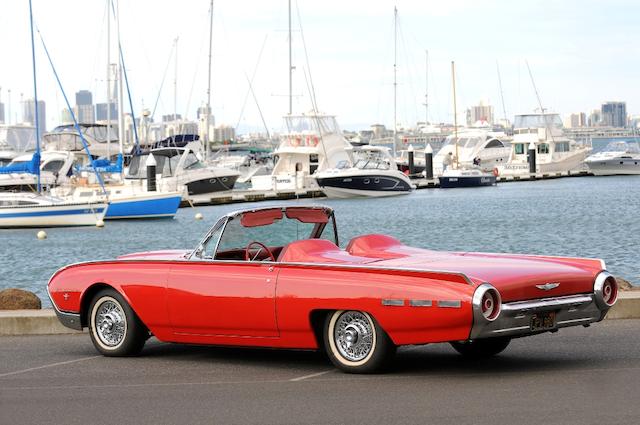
(373, 174)
(22, 209)
(618, 158)
(466, 178)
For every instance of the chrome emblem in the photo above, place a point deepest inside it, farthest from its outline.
(548, 286)
(65, 296)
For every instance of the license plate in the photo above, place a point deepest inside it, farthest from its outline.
(543, 321)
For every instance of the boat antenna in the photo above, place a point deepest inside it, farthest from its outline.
(35, 99)
(395, 82)
(542, 110)
(504, 110)
(455, 109)
(206, 134)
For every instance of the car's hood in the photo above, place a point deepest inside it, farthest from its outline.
(173, 254)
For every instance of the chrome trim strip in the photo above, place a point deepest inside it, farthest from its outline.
(449, 303)
(393, 302)
(420, 303)
(545, 304)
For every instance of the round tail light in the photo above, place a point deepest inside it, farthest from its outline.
(490, 304)
(610, 291)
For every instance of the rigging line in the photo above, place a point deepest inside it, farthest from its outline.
(35, 98)
(258, 106)
(196, 72)
(546, 122)
(164, 77)
(250, 88)
(85, 145)
(96, 60)
(314, 103)
(504, 109)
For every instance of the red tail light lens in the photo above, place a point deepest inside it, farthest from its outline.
(490, 305)
(610, 291)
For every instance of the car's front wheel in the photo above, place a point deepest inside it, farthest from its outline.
(114, 327)
(482, 348)
(355, 343)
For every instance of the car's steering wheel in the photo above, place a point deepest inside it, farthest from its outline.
(247, 251)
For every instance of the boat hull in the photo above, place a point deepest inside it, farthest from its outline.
(211, 185)
(449, 182)
(612, 167)
(66, 214)
(148, 205)
(363, 186)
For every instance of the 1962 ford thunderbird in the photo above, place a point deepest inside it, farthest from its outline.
(276, 277)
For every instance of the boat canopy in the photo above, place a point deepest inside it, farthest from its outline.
(623, 146)
(311, 124)
(537, 121)
(31, 167)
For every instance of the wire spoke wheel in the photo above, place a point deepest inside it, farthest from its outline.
(354, 335)
(110, 323)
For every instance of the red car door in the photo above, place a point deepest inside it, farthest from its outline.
(223, 298)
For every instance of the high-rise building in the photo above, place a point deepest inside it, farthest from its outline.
(595, 118)
(29, 114)
(481, 112)
(614, 114)
(101, 112)
(1, 113)
(84, 97)
(576, 120)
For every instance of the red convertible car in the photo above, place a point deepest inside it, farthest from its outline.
(276, 277)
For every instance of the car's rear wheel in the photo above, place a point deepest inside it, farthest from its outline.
(481, 348)
(355, 343)
(114, 327)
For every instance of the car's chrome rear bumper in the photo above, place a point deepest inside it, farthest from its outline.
(515, 318)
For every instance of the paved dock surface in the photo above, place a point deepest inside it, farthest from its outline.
(576, 376)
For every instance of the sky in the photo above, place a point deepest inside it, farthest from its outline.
(580, 53)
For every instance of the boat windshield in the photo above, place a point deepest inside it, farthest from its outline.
(311, 124)
(625, 147)
(537, 121)
(365, 164)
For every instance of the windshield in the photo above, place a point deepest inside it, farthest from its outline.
(537, 121)
(625, 147)
(311, 125)
(274, 228)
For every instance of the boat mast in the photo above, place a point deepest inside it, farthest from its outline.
(120, 89)
(395, 83)
(455, 109)
(290, 65)
(175, 86)
(108, 78)
(35, 99)
(206, 137)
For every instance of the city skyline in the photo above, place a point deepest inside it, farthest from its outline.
(579, 60)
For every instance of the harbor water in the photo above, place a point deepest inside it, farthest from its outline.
(585, 217)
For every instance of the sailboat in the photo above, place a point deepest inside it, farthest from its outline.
(458, 176)
(24, 209)
(127, 200)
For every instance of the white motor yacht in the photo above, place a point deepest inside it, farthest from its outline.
(370, 172)
(482, 144)
(554, 151)
(620, 157)
(312, 143)
(55, 168)
(180, 169)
